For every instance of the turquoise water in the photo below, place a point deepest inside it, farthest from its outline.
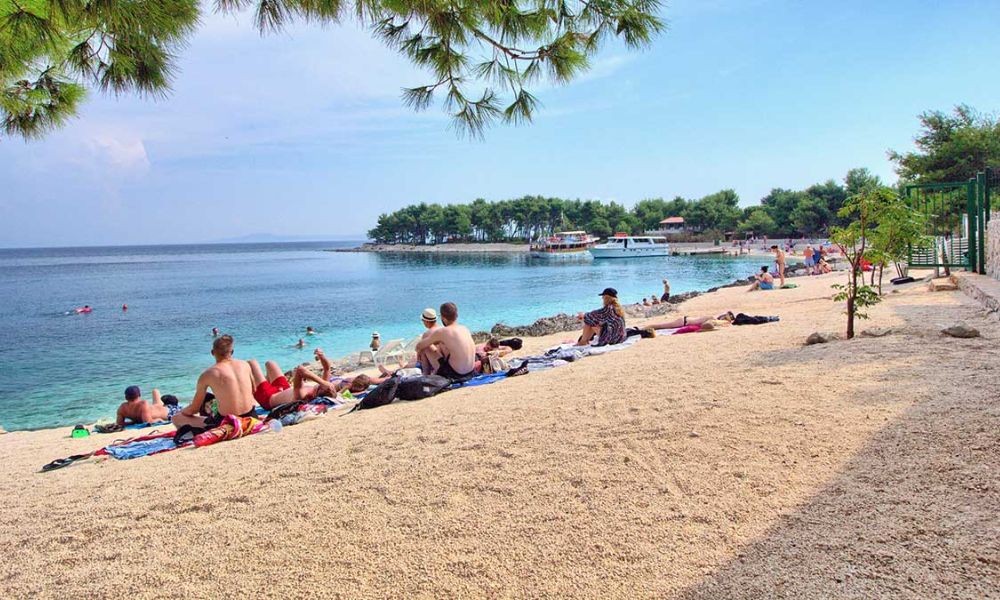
(59, 369)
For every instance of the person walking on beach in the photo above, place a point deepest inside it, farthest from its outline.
(449, 350)
(779, 261)
(607, 322)
(810, 257)
(137, 410)
(666, 291)
(231, 383)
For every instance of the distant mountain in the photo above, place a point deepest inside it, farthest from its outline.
(265, 238)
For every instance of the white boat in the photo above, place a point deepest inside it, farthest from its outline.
(563, 244)
(626, 246)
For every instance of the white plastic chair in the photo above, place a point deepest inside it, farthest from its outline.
(389, 351)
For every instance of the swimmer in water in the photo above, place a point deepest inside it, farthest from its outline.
(301, 343)
(86, 309)
(215, 332)
(124, 307)
(310, 331)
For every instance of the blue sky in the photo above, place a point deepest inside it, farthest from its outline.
(304, 134)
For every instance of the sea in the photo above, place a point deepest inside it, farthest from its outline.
(62, 368)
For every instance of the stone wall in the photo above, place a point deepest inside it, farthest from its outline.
(993, 246)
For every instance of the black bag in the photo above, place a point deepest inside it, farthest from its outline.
(421, 386)
(384, 393)
(742, 319)
(512, 343)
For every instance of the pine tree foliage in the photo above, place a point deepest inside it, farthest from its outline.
(482, 56)
(52, 51)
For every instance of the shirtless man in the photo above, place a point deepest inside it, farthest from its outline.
(230, 381)
(137, 410)
(449, 350)
(779, 259)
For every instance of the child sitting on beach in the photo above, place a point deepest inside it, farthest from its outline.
(764, 281)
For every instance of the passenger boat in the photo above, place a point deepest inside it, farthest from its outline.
(564, 244)
(623, 245)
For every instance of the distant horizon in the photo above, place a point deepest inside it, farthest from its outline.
(223, 242)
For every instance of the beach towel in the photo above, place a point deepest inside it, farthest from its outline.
(142, 448)
(482, 380)
(232, 427)
(687, 329)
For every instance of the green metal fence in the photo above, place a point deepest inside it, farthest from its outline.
(957, 218)
(952, 226)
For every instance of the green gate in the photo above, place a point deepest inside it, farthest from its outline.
(957, 217)
(952, 224)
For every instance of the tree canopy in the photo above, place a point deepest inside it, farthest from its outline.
(950, 147)
(781, 213)
(482, 56)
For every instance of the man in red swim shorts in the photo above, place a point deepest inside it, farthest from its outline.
(273, 389)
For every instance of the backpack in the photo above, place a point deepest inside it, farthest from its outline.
(421, 386)
(384, 393)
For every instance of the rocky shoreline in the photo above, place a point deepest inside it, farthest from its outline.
(560, 323)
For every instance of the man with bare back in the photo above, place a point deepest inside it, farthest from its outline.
(231, 383)
(450, 350)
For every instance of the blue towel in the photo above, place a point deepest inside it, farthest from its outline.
(483, 380)
(139, 449)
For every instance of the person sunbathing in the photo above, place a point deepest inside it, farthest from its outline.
(492, 346)
(136, 410)
(449, 350)
(686, 321)
(762, 281)
(232, 385)
(606, 323)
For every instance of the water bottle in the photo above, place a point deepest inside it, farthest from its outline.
(274, 426)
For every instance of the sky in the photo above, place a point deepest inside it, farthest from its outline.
(304, 134)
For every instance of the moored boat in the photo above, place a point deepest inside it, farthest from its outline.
(623, 245)
(563, 244)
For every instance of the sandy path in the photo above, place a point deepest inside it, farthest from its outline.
(735, 464)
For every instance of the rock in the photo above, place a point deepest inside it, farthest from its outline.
(694, 434)
(945, 284)
(960, 330)
(821, 337)
(876, 332)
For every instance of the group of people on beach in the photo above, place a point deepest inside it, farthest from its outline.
(233, 386)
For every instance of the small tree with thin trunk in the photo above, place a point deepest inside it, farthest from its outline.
(899, 227)
(855, 240)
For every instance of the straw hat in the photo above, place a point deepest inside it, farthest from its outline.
(429, 314)
(374, 334)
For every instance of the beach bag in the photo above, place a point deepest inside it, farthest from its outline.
(421, 386)
(512, 343)
(384, 393)
(494, 364)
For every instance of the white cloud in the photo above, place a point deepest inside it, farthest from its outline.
(123, 154)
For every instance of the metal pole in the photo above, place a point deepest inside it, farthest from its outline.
(981, 219)
(970, 206)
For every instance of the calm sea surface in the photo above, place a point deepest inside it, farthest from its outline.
(59, 369)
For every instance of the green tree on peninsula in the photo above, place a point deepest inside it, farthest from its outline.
(482, 56)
